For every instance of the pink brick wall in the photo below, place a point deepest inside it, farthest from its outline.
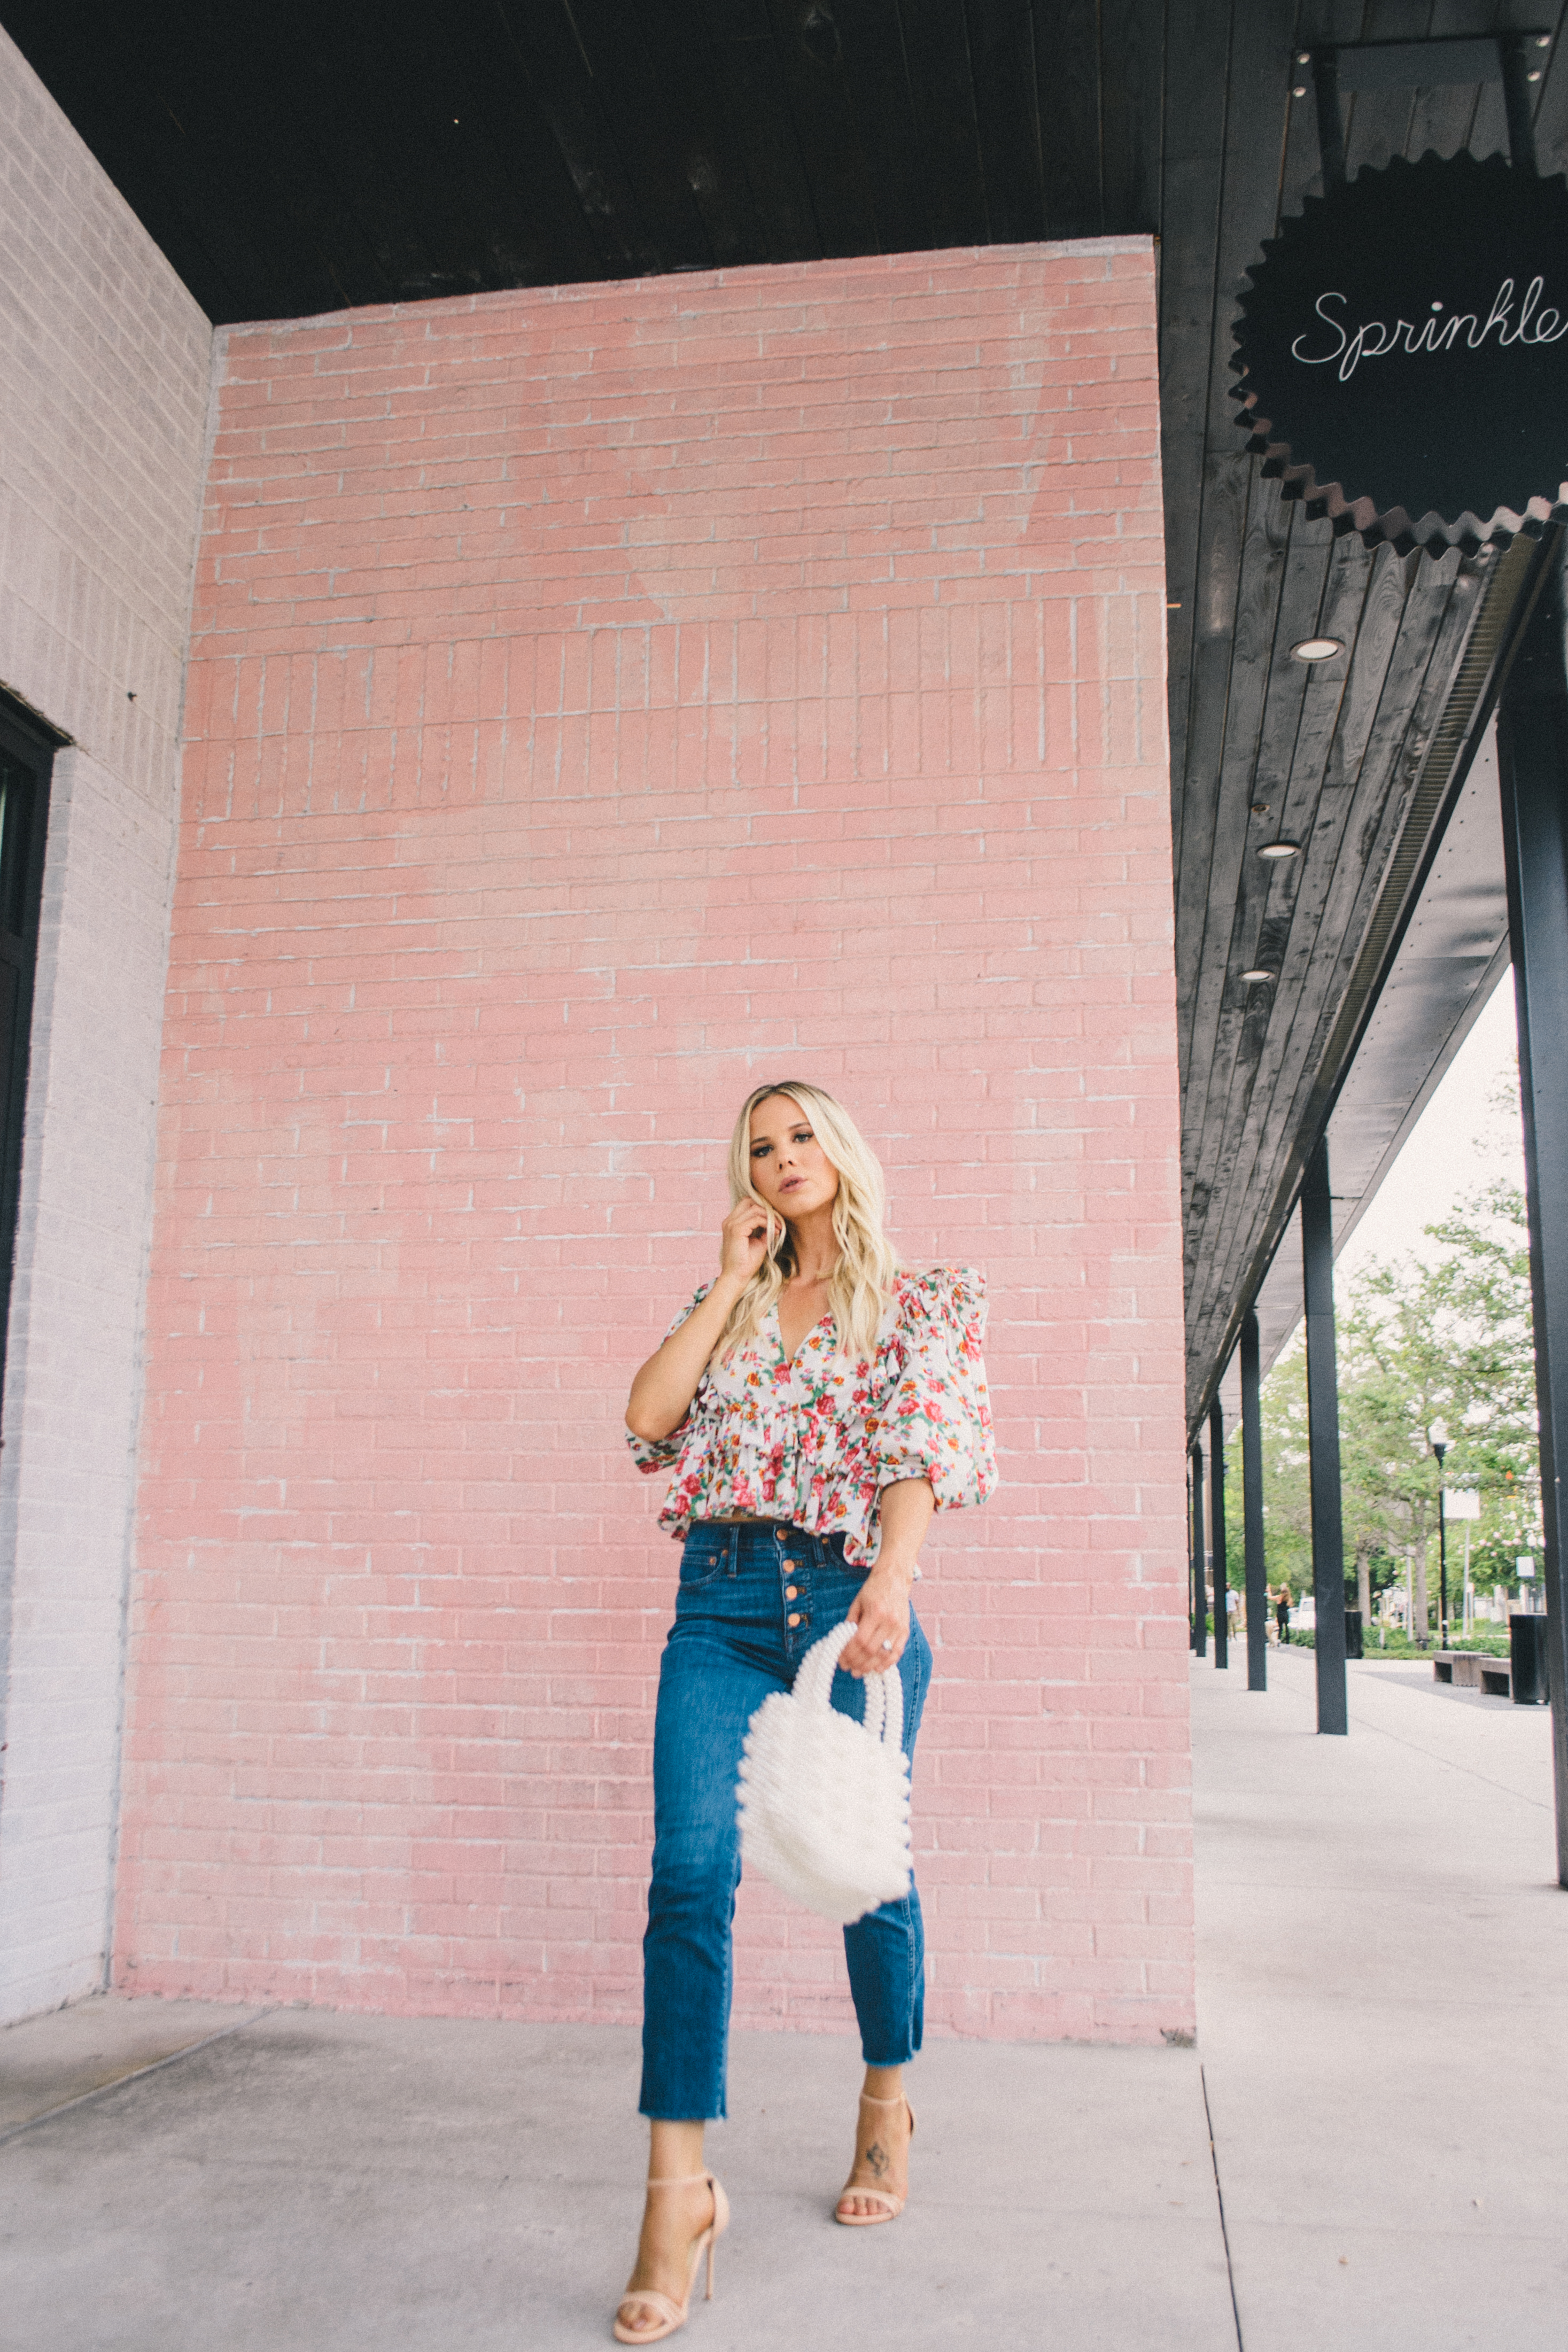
(600, 698)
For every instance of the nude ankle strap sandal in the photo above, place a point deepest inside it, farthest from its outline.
(895, 2205)
(670, 2313)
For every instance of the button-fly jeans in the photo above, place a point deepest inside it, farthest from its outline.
(753, 1599)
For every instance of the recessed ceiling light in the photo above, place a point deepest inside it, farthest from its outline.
(1259, 972)
(1312, 649)
(1280, 849)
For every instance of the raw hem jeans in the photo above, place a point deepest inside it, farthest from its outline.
(752, 1600)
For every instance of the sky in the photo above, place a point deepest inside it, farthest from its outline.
(1456, 1145)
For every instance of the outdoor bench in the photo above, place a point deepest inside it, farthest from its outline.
(1473, 1670)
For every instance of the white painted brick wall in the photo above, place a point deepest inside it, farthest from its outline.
(104, 367)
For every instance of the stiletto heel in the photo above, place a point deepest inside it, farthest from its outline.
(670, 2313)
(895, 2205)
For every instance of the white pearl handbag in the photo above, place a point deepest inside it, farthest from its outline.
(825, 1801)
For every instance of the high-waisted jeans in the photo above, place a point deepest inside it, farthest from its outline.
(752, 1600)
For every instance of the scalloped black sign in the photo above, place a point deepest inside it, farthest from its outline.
(1403, 351)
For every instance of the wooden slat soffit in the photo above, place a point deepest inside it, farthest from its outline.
(1359, 760)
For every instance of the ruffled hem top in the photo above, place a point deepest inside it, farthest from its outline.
(814, 1438)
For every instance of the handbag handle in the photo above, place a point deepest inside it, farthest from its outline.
(884, 1692)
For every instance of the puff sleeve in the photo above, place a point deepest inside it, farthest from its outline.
(934, 1420)
(652, 1454)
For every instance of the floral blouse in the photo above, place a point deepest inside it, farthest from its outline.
(813, 1439)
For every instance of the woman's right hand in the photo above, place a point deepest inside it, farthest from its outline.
(745, 1241)
(665, 1386)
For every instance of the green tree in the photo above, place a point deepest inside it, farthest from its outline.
(1483, 1288)
(1287, 1502)
(1448, 1339)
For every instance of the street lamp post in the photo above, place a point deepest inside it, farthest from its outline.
(1467, 1603)
(1438, 1436)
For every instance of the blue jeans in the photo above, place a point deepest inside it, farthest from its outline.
(753, 1599)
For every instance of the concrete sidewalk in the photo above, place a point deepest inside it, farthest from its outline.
(1382, 1960)
(315, 2182)
(1382, 1966)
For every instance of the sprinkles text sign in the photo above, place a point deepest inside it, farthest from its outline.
(1402, 350)
(1439, 332)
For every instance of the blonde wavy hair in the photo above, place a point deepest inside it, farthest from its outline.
(862, 1281)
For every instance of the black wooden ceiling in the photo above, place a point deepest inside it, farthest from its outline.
(290, 157)
(293, 159)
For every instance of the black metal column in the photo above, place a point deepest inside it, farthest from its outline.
(1200, 1602)
(1532, 756)
(1216, 1533)
(1252, 1511)
(1517, 109)
(1323, 1438)
(1330, 122)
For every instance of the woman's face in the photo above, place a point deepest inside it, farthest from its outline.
(789, 1167)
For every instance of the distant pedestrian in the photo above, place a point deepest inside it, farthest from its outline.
(1283, 1613)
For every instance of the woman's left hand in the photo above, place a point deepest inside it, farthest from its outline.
(881, 1615)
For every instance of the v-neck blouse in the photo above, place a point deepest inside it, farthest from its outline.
(813, 1439)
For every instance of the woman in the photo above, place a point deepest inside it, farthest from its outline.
(816, 1405)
